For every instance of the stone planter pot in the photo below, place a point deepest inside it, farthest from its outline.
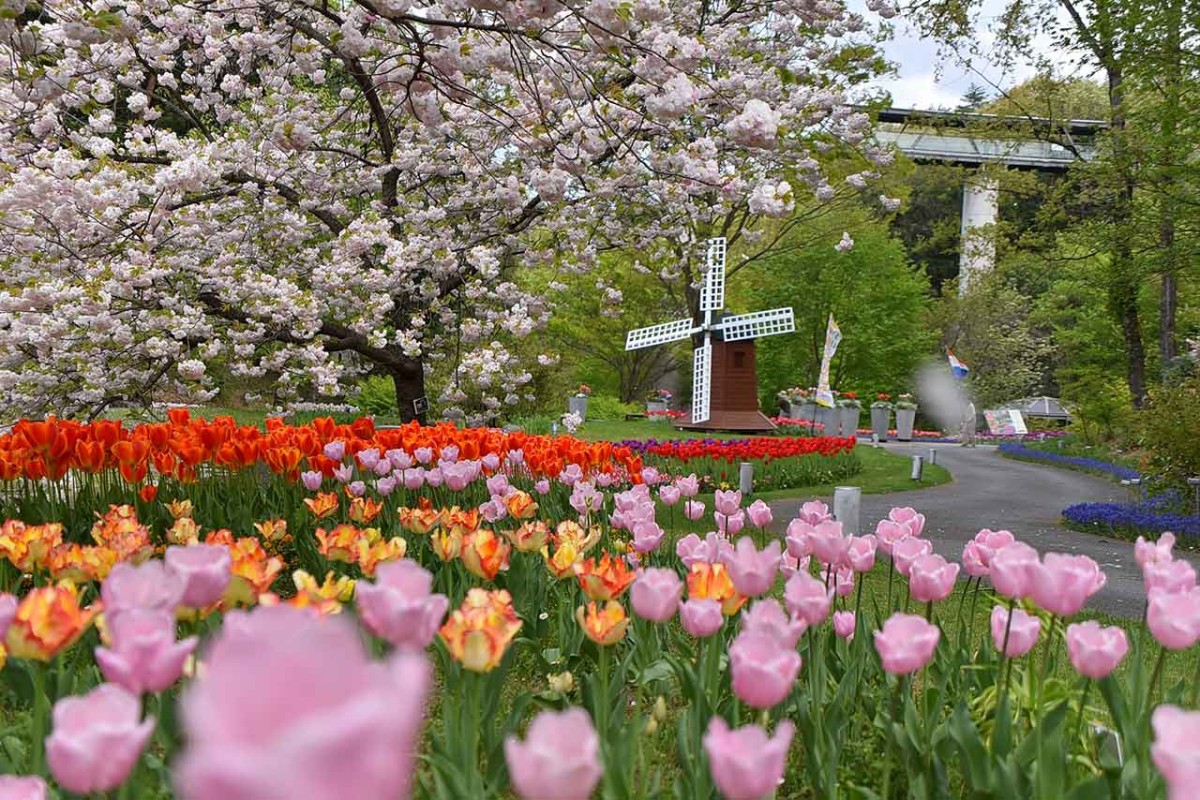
(849, 419)
(879, 422)
(656, 407)
(578, 405)
(803, 411)
(905, 417)
(828, 417)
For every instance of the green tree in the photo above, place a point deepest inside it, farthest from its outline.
(973, 99)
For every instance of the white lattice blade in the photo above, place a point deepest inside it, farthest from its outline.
(712, 295)
(658, 334)
(701, 382)
(757, 324)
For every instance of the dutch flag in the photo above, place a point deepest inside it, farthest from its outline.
(959, 369)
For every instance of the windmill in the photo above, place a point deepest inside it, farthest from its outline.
(730, 402)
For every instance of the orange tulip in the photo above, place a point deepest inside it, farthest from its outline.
(273, 531)
(180, 508)
(341, 543)
(484, 553)
(712, 582)
(605, 581)
(521, 505)
(603, 625)
(447, 545)
(253, 572)
(27, 547)
(479, 632)
(562, 563)
(48, 621)
(81, 564)
(183, 531)
(322, 505)
(460, 521)
(419, 520)
(363, 510)
(119, 529)
(148, 492)
(529, 537)
(371, 555)
(327, 597)
(573, 532)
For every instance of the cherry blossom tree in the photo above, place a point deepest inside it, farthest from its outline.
(304, 191)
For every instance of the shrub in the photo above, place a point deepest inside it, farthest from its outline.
(377, 395)
(1170, 432)
(608, 407)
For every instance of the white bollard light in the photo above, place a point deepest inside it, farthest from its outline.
(847, 500)
(933, 455)
(918, 466)
(874, 440)
(746, 477)
(1195, 484)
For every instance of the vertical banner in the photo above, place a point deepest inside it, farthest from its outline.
(833, 336)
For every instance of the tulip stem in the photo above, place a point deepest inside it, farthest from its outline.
(41, 709)
(1087, 685)
(1154, 676)
(1196, 684)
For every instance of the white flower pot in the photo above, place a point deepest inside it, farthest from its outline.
(655, 407)
(879, 422)
(578, 405)
(849, 419)
(828, 417)
(905, 417)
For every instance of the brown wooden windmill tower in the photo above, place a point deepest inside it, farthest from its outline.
(724, 381)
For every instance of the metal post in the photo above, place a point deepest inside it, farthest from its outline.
(918, 465)
(1195, 484)
(874, 440)
(554, 429)
(933, 455)
(746, 477)
(847, 500)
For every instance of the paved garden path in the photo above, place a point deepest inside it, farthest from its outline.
(989, 491)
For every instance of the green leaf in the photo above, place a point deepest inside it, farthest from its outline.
(1095, 788)
(973, 755)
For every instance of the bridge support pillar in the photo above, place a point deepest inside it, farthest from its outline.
(977, 246)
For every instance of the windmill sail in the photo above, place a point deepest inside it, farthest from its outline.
(701, 382)
(757, 324)
(712, 295)
(658, 334)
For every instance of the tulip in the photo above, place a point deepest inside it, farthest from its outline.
(571, 475)
(767, 617)
(562, 682)
(691, 550)
(814, 512)
(906, 643)
(712, 582)
(727, 503)
(807, 598)
(843, 624)
(559, 758)
(828, 544)
(47, 621)
(1095, 651)
(1014, 570)
(335, 451)
(484, 553)
(312, 480)
(1145, 552)
(861, 553)
(910, 517)
(789, 566)
(975, 561)
(144, 656)
(753, 572)
(1168, 576)
(605, 624)
(647, 536)
(414, 478)
(760, 514)
(203, 569)
(689, 486)
(796, 536)
(498, 486)
(529, 537)
(693, 509)
(843, 581)
(746, 763)
(1022, 632)
(383, 467)
(1174, 751)
(655, 594)
(23, 788)
(701, 618)
(150, 585)
(931, 578)
(605, 580)
(978, 554)
(368, 458)
(291, 705)
(732, 524)
(763, 669)
(343, 473)
(399, 459)
(906, 551)
(424, 455)
(8, 610)
(478, 633)
(1174, 618)
(669, 494)
(399, 607)
(542, 487)
(1063, 583)
(97, 739)
(889, 533)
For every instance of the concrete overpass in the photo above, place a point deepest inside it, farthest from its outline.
(978, 140)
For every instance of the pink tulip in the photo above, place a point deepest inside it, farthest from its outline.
(1063, 583)
(796, 536)
(30, 787)
(424, 455)
(356, 489)
(490, 461)
(975, 561)
(1174, 619)
(931, 578)
(291, 706)
(789, 566)
(435, 477)
(400, 459)
(650, 476)
(807, 598)
(731, 525)
(414, 478)
(312, 480)
(861, 553)
(203, 570)
(1095, 651)
(493, 510)
(1168, 576)
(828, 544)
(1022, 634)
(1174, 751)
(906, 643)
(647, 536)
(843, 581)
(760, 514)
(149, 585)
(335, 451)
(889, 533)
(560, 757)
(814, 512)
(669, 494)
(767, 618)
(843, 624)
(367, 459)
(97, 739)
(497, 485)
(977, 555)
(144, 656)
(763, 670)
(343, 473)
(1014, 569)
(8, 610)
(746, 764)
(399, 607)
(1145, 552)
(689, 486)
(515, 457)
(906, 551)
(655, 594)
(542, 487)
(909, 517)
(727, 503)
(693, 509)
(714, 549)
(753, 572)
(701, 618)
(571, 475)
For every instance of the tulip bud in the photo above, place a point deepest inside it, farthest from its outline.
(652, 727)
(562, 683)
(660, 709)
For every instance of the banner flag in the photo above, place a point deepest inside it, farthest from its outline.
(833, 336)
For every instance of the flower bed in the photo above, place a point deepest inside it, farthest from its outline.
(1020, 451)
(444, 620)
(1129, 520)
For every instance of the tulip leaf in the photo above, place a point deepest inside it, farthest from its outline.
(976, 766)
(660, 670)
(1095, 788)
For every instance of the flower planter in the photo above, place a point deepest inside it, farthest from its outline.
(879, 422)
(905, 417)
(803, 411)
(655, 407)
(828, 417)
(848, 416)
(578, 405)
